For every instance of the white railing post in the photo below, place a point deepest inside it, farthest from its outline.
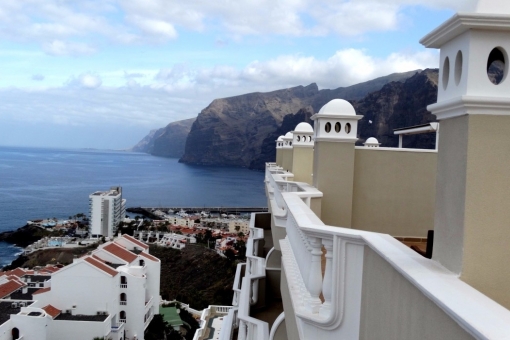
(315, 275)
(327, 283)
(242, 330)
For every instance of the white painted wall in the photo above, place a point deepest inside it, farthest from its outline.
(78, 330)
(86, 287)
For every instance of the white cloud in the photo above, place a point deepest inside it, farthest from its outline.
(85, 80)
(154, 27)
(72, 27)
(344, 68)
(61, 48)
(182, 92)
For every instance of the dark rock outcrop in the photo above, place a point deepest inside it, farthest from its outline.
(397, 105)
(241, 130)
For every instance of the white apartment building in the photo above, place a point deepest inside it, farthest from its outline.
(332, 258)
(107, 210)
(176, 241)
(112, 293)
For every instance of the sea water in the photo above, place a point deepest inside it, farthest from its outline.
(37, 183)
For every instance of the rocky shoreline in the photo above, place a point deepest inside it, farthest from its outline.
(24, 236)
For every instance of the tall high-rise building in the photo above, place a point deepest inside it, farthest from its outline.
(107, 209)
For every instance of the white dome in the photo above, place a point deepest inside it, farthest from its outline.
(288, 135)
(303, 127)
(372, 140)
(338, 107)
(280, 139)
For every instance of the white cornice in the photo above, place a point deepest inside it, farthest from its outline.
(465, 105)
(462, 22)
(336, 139)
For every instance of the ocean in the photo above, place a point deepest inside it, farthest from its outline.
(38, 183)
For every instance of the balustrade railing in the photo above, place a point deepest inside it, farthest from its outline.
(324, 295)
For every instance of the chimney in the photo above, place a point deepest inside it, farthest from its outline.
(302, 153)
(287, 152)
(335, 133)
(279, 153)
(473, 181)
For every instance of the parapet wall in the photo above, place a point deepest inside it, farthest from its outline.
(394, 191)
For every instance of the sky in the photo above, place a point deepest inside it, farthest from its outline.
(103, 73)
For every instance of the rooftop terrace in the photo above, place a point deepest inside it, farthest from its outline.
(79, 317)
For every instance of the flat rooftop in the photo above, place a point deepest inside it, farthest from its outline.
(19, 295)
(80, 317)
(38, 278)
(6, 310)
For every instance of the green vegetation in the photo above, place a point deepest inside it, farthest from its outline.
(62, 256)
(195, 275)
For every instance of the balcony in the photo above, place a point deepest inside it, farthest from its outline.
(123, 303)
(332, 276)
(123, 286)
(254, 311)
(117, 328)
(216, 322)
(122, 321)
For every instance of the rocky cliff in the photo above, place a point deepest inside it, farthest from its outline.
(241, 130)
(168, 141)
(397, 105)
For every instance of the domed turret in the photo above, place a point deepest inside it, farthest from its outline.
(338, 107)
(287, 140)
(336, 122)
(372, 143)
(279, 142)
(302, 135)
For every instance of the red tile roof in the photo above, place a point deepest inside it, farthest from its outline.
(149, 256)
(42, 290)
(10, 287)
(51, 269)
(103, 267)
(52, 311)
(135, 241)
(19, 272)
(120, 252)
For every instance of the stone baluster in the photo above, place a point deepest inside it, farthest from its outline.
(315, 275)
(327, 283)
(242, 330)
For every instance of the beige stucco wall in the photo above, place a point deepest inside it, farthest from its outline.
(393, 309)
(278, 156)
(287, 159)
(474, 223)
(290, 316)
(333, 172)
(450, 195)
(394, 191)
(302, 164)
(316, 206)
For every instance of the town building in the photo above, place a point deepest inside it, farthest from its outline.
(176, 241)
(111, 293)
(107, 210)
(391, 243)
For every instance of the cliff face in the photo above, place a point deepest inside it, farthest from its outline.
(166, 142)
(230, 131)
(241, 130)
(397, 105)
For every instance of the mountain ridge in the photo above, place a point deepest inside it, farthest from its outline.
(241, 130)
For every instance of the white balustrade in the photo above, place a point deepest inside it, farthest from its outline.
(341, 281)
